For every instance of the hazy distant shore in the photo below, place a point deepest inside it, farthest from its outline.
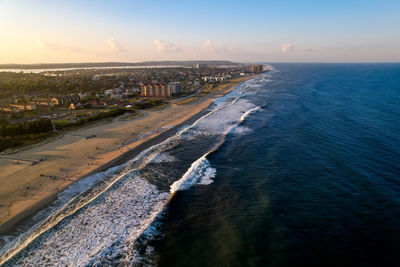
(190, 63)
(117, 142)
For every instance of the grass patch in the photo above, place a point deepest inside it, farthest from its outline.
(19, 141)
(131, 117)
(64, 124)
(159, 107)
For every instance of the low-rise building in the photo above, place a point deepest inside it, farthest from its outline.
(44, 103)
(10, 109)
(212, 79)
(26, 107)
(109, 92)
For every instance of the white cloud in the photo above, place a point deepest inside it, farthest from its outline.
(209, 47)
(45, 44)
(163, 46)
(288, 47)
(115, 46)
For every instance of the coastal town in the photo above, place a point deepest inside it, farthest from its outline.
(199, 133)
(35, 105)
(57, 127)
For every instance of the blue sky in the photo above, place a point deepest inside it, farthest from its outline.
(266, 31)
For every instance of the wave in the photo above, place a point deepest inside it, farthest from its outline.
(114, 208)
(163, 157)
(200, 169)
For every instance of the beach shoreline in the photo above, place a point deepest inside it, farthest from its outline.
(20, 211)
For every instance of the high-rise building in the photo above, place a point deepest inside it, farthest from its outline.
(154, 89)
(175, 87)
(201, 66)
(256, 68)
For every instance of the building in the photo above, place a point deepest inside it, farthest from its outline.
(131, 91)
(175, 87)
(201, 66)
(256, 68)
(56, 101)
(25, 107)
(44, 103)
(65, 100)
(154, 89)
(109, 92)
(214, 78)
(10, 109)
(83, 95)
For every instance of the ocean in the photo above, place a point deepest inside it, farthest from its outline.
(298, 167)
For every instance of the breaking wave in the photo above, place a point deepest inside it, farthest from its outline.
(99, 220)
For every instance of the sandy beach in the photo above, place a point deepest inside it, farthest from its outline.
(26, 189)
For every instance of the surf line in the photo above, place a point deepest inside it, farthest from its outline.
(191, 177)
(77, 203)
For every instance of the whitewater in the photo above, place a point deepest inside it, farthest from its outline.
(100, 219)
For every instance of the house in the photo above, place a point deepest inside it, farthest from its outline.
(10, 109)
(83, 95)
(25, 107)
(44, 103)
(109, 92)
(56, 101)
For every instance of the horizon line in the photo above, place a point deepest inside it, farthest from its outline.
(214, 60)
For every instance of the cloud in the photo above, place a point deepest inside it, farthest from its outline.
(167, 47)
(45, 44)
(288, 47)
(115, 46)
(209, 47)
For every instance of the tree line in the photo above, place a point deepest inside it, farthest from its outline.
(13, 84)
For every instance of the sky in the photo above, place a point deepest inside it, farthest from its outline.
(55, 31)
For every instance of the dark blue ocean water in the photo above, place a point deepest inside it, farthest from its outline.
(314, 181)
(298, 167)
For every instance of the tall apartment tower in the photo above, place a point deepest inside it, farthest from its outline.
(154, 89)
(175, 87)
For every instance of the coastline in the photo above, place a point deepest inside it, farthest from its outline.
(22, 210)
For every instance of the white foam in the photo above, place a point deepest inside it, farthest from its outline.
(200, 170)
(87, 226)
(242, 130)
(163, 157)
(118, 216)
(208, 176)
